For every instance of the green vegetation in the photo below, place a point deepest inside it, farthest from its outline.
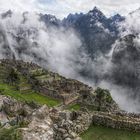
(104, 97)
(104, 94)
(12, 77)
(74, 107)
(102, 133)
(30, 96)
(10, 134)
(77, 107)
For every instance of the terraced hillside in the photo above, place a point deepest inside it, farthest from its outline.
(28, 81)
(16, 81)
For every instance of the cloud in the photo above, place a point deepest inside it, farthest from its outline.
(62, 8)
(17, 5)
(53, 48)
(122, 96)
(131, 24)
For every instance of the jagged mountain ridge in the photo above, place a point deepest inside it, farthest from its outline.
(97, 32)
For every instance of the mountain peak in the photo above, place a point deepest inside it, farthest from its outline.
(96, 13)
(117, 18)
(50, 19)
(96, 10)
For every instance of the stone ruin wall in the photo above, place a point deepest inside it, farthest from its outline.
(124, 121)
(70, 124)
(65, 98)
(83, 120)
(67, 93)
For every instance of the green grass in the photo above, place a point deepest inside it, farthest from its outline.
(10, 134)
(74, 107)
(102, 133)
(78, 107)
(29, 97)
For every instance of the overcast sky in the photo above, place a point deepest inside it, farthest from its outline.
(62, 8)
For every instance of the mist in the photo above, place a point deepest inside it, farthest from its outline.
(29, 39)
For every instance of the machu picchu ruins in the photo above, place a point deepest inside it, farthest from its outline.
(54, 119)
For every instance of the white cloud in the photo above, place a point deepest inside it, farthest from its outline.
(17, 5)
(52, 48)
(61, 8)
(131, 24)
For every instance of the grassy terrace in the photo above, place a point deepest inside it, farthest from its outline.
(102, 133)
(29, 96)
(74, 107)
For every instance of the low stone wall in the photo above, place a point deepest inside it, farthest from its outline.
(68, 125)
(66, 97)
(124, 122)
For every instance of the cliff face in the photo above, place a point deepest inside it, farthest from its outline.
(126, 60)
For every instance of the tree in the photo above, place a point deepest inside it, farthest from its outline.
(13, 77)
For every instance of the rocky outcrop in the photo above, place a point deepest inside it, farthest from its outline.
(13, 112)
(42, 123)
(125, 64)
(40, 126)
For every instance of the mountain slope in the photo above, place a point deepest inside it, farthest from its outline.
(32, 80)
(126, 60)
